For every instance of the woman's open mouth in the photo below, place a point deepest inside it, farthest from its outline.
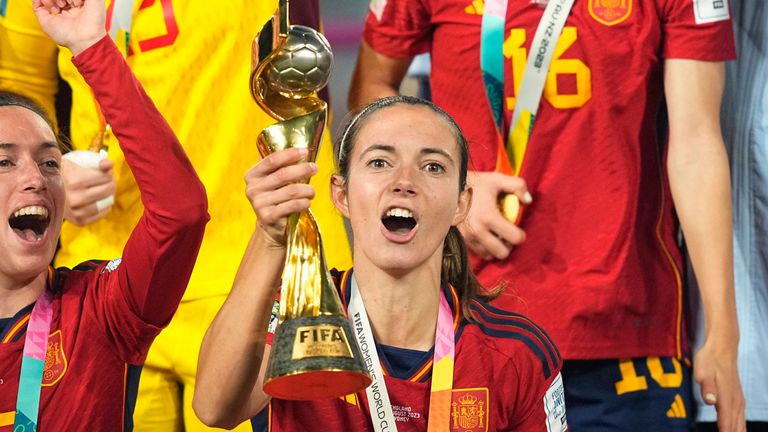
(399, 222)
(30, 223)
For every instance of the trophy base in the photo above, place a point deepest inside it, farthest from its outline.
(315, 358)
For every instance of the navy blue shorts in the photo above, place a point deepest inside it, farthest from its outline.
(647, 394)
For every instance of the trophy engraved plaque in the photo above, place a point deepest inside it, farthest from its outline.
(314, 353)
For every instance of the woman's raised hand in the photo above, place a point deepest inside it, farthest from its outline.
(75, 24)
(273, 187)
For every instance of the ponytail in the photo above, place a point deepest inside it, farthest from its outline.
(457, 272)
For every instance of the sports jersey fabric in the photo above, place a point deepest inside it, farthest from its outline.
(501, 347)
(194, 60)
(600, 270)
(27, 56)
(106, 314)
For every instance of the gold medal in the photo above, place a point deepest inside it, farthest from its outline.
(511, 207)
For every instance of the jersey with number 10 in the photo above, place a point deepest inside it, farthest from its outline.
(600, 269)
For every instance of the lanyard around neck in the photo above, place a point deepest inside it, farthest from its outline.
(379, 403)
(33, 363)
(510, 156)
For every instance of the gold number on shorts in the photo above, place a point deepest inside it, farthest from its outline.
(632, 382)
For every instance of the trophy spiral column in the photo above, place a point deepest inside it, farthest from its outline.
(314, 352)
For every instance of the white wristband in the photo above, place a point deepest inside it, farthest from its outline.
(90, 159)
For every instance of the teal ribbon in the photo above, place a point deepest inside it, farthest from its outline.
(492, 65)
(28, 401)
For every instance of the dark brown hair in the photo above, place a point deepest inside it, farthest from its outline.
(8, 98)
(455, 267)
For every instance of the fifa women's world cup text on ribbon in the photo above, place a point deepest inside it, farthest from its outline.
(379, 404)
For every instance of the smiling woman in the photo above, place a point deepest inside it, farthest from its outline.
(440, 357)
(33, 191)
(55, 324)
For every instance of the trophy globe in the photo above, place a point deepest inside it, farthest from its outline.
(303, 66)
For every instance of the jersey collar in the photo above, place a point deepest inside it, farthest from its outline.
(423, 370)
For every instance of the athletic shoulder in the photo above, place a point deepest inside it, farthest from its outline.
(515, 336)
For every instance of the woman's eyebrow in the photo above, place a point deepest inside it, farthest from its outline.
(383, 147)
(430, 150)
(43, 146)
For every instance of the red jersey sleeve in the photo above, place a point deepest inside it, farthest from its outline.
(399, 28)
(698, 30)
(527, 362)
(159, 255)
(542, 408)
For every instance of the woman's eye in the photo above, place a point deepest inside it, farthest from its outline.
(434, 167)
(5, 163)
(51, 164)
(378, 163)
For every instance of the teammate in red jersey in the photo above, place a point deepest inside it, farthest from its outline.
(71, 340)
(600, 269)
(401, 182)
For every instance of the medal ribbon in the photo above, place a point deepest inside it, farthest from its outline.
(382, 415)
(510, 155)
(33, 362)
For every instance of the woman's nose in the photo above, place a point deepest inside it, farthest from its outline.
(404, 182)
(31, 178)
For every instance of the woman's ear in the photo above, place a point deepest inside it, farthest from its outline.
(339, 194)
(465, 202)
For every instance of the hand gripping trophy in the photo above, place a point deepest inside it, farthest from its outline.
(314, 352)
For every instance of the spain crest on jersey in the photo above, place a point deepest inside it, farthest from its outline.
(55, 360)
(469, 410)
(610, 12)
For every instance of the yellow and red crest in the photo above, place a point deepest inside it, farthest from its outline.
(469, 410)
(610, 12)
(55, 360)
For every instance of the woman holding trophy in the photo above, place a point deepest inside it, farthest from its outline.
(439, 356)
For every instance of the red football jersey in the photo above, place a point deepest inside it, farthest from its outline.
(506, 377)
(600, 269)
(105, 315)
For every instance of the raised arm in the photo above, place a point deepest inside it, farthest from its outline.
(231, 369)
(376, 76)
(159, 256)
(700, 184)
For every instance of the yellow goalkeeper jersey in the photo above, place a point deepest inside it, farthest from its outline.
(194, 60)
(27, 55)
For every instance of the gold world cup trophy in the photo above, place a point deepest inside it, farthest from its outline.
(314, 352)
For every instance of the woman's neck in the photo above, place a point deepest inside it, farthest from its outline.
(402, 309)
(15, 295)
